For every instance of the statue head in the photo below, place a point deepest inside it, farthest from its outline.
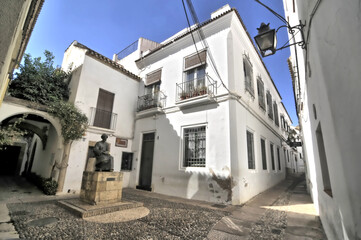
(104, 137)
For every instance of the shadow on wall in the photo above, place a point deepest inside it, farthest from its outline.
(170, 178)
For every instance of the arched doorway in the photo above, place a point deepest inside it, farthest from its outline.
(36, 151)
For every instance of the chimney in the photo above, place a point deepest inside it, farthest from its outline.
(218, 12)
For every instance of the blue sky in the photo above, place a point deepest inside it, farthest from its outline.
(108, 26)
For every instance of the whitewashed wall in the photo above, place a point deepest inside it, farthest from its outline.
(227, 120)
(91, 75)
(331, 87)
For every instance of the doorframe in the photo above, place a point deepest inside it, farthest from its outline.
(140, 154)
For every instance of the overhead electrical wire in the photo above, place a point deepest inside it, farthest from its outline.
(204, 43)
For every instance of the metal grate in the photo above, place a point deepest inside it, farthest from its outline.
(195, 147)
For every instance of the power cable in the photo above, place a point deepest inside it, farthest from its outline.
(204, 41)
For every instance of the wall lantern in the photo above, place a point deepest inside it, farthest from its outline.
(266, 39)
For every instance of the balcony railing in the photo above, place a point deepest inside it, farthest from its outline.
(151, 101)
(102, 118)
(128, 50)
(195, 88)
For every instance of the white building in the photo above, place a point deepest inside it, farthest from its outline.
(200, 134)
(199, 120)
(107, 94)
(327, 89)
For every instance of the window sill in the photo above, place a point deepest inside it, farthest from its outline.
(99, 130)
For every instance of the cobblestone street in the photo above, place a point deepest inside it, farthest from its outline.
(274, 214)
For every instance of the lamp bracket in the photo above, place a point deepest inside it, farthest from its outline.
(292, 31)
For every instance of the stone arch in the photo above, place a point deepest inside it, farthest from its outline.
(53, 155)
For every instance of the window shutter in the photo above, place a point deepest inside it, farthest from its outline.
(103, 114)
(153, 77)
(195, 60)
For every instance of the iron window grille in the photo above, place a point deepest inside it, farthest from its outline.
(250, 151)
(194, 147)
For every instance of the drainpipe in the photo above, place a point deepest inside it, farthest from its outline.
(63, 167)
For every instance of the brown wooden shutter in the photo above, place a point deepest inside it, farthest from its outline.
(153, 77)
(103, 114)
(195, 60)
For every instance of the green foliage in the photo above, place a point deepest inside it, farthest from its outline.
(47, 185)
(73, 122)
(39, 81)
(11, 132)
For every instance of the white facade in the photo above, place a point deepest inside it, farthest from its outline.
(226, 116)
(92, 72)
(328, 93)
(193, 133)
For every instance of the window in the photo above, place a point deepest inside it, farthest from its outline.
(260, 90)
(103, 111)
(283, 122)
(272, 157)
(263, 152)
(250, 151)
(127, 158)
(278, 158)
(269, 104)
(194, 75)
(194, 147)
(288, 157)
(152, 90)
(248, 75)
(275, 109)
(323, 161)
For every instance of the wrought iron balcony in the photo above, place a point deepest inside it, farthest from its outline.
(103, 119)
(149, 101)
(195, 88)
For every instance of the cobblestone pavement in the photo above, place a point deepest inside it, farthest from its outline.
(166, 220)
(283, 212)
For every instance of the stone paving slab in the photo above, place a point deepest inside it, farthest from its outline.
(234, 226)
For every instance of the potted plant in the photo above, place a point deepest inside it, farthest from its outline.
(183, 95)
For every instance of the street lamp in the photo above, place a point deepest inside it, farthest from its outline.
(266, 39)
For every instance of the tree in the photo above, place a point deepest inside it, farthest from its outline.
(38, 81)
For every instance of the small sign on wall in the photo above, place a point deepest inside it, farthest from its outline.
(121, 142)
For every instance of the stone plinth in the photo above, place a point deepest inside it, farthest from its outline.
(84, 210)
(101, 187)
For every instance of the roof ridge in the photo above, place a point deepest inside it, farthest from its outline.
(106, 60)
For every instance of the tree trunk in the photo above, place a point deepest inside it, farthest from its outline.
(64, 167)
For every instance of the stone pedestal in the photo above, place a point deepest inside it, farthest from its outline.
(100, 193)
(101, 187)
